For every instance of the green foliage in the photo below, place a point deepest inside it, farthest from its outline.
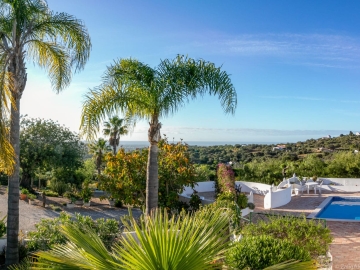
(24, 191)
(58, 187)
(258, 252)
(195, 201)
(31, 196)
(48, 231)
(160, 242)
(2, 226)
(86, 192)
(309, 235)
(251, 205)
(204, 173)
(242, 200)
(125, 174)
(50, 193)
(52, 147)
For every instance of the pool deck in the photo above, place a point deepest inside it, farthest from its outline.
(345, 247)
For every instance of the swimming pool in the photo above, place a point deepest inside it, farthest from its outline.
(339, 209)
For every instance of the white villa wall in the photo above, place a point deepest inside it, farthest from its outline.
(277, 198)
(273, 197)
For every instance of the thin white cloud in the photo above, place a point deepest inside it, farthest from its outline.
(318, 50)
(310, 99)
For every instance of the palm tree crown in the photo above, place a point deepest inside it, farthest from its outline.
(98, 149)
(152, 94)
(58, 43)
(116, 127)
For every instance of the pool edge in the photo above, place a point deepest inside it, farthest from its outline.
(323, 205)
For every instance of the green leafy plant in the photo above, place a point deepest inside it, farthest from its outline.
(242, 200)
(307, 234)
(86, 192)
(50, 193)
(195, 201)
(24, 191)
(259, 252)
(31, 197)
(2, 226)
(48, 233)
(159, 242)
(251, 205)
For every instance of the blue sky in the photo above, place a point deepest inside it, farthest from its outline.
(295, 64)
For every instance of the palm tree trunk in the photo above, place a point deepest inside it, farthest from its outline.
(12, 246)
(152, 179)
(152, 176)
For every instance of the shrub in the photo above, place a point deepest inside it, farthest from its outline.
(48, 234)
(225, 178)
(242, 200)
(195, 201)
(50, 193)
(2, 227)
(310, 235)
(24, 191)
(259, 252)
(59, 187)
(31, 196)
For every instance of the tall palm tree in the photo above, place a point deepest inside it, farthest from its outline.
(57, 42)
(115, 128)
(151, 94)
(98, 149)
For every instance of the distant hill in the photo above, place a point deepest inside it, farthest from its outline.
(241, 153)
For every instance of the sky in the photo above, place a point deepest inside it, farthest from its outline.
(295, 65)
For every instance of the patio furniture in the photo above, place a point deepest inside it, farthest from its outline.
(311, 184)
(319, 187)
(297, 188)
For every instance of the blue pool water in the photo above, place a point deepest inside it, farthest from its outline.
(341, 208)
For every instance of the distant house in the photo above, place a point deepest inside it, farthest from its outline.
(357, 133)
(327, 137)
(279, 147)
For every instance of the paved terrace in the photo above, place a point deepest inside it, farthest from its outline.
(345, 247)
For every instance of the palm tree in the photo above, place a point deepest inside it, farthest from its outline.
(116, 127)
(151, 94)
(57, 42)
(98, 149)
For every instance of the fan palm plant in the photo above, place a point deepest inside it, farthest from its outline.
(98, 149)
(57, 42)
(187, 242)
(115, 128)
(151, 94)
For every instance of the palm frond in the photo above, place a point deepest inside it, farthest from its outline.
(67, 31)
(105, 101)
(82, 251)
(54, 59)
(293, 265)
(187, 242)
(7, 153)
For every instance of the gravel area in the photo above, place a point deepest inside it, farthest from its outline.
(32, 214)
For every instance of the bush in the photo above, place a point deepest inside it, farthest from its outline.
(24, 191)
(242, 201)
(50, 193)
(59, 187)
(31, 196)
(195, 201)
(310, 235)
(48, 233)
(259, 252)
(2, 227)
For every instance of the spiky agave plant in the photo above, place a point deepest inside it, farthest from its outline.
(187, 241)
